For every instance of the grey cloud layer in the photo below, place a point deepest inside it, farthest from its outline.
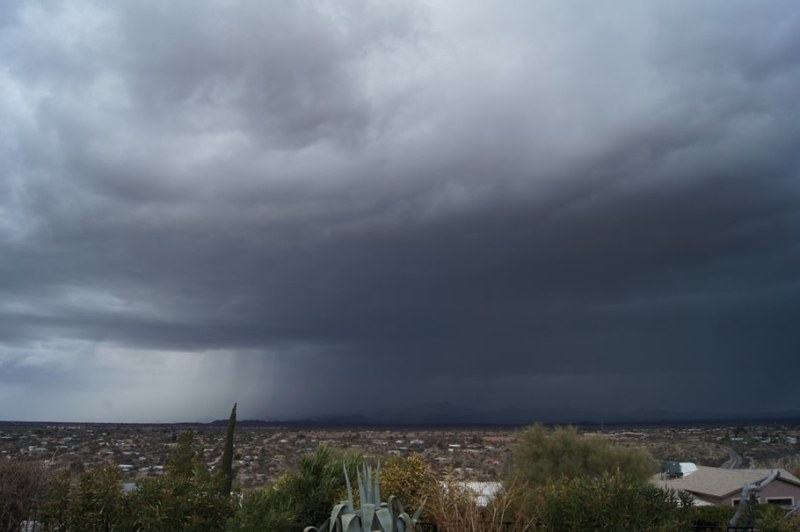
(544, 191)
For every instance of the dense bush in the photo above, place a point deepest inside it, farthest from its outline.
(186, 498)
(409, 479)
(172, 503)
(95, 502)
(610, 501)
(542, 456)
(22, 488)
(265, 509)
(770, 518)
(573, 482)
(300, 497)
(712, 517)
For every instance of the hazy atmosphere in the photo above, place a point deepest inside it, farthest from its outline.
(328, 207)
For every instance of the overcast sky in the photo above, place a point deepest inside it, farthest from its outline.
(317, 207)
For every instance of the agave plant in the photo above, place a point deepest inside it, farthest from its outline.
(373, 515)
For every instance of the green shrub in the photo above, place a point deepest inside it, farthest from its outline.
(770, 518)
(409, 479)
(22, 486)
(186, 498)
(542, 456)
(95, 502)
(712, 517)
(264, 509)
(611, 501)
(299, 497)
(173, 503)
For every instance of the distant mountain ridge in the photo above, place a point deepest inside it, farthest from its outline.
(447, 414)
(444, 414)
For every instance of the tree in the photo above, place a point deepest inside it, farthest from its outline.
(542, 456)
(227, 455)
(181, 462)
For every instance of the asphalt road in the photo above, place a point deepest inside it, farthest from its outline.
(734, 461)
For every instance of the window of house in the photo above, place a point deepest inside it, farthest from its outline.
(736, 501)
(781, 501)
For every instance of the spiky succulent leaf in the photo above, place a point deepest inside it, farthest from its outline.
(361, 491)
(350, 503)
(396, 505)
(378, 484)
(368, 515)
(385, 518)
(408, 524)
(351, 523)
(418, 513)
(337, 511)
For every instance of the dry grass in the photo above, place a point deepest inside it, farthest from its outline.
(453, 507)
(23, 486)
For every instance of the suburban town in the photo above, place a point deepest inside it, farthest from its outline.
(264, 452)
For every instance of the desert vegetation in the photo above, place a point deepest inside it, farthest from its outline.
(554, 479)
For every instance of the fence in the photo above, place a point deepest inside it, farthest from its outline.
(723, 528)
(433, 527)
(511, 527)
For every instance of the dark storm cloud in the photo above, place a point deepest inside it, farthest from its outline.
(533, 203)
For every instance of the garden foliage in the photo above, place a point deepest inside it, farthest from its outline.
(558, 480)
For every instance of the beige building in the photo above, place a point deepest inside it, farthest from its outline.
(712, 485)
